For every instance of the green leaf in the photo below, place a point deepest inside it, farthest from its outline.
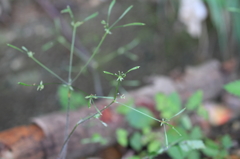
(130, 24)
(91, 16)
(226, 141)
(48, 46)
(196, 133)
(175, 152)
(68, 10)
(77, 24)
(108, 73)
(135, 141)
(24, 48)
(24, 84)
(186, 122)
(122, 135)
(125, 12)
(211, 144)
(122, 110)
(195, 100)
(77, 98)
(153, 146)
(233, 88)
(134, 68)
(202, 112)
(189, 145)
(110, 9)
(194, 155)
(169, 106)
(15, 47)
(211, 152)
(178, 113)
(139, 121)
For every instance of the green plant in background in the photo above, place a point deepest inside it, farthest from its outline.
(192, 143)
(223, 21)
(233, 88)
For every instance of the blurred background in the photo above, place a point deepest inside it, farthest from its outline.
(176, 34)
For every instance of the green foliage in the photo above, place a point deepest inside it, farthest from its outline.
(78, 99)
(138, 120)
(122, 137)
(153, 146)
(233, 88)
(195, 100)
(95, 138)
(168, 105)
(135, 141)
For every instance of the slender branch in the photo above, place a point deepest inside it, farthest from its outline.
(47, 69)
(82, 121)
(90, 59)
(71, 55)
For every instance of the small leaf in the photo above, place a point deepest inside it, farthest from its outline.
(138, 120)
(175, 152)
(233, 88)
(178, 113)
(153, 146)
(186, 122)
(24, 48)
(77, 24)
(110, 8)
(196, 133)
(189, 145)
(24, 84)
(122, 135)
(12, 46)
(108, 73)
(91, 16)
(125, 12)
(77, 98)
(130, 24)
(226, 141)
(135, 141)
(134, 68)
(195, 100)
(103, 22)
(202, 112)
(48, 46)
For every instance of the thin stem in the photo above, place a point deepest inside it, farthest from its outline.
(46, 68)
(82, 121)
(63, 152)
(116, 91)
(71, 55)
(94, 53)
